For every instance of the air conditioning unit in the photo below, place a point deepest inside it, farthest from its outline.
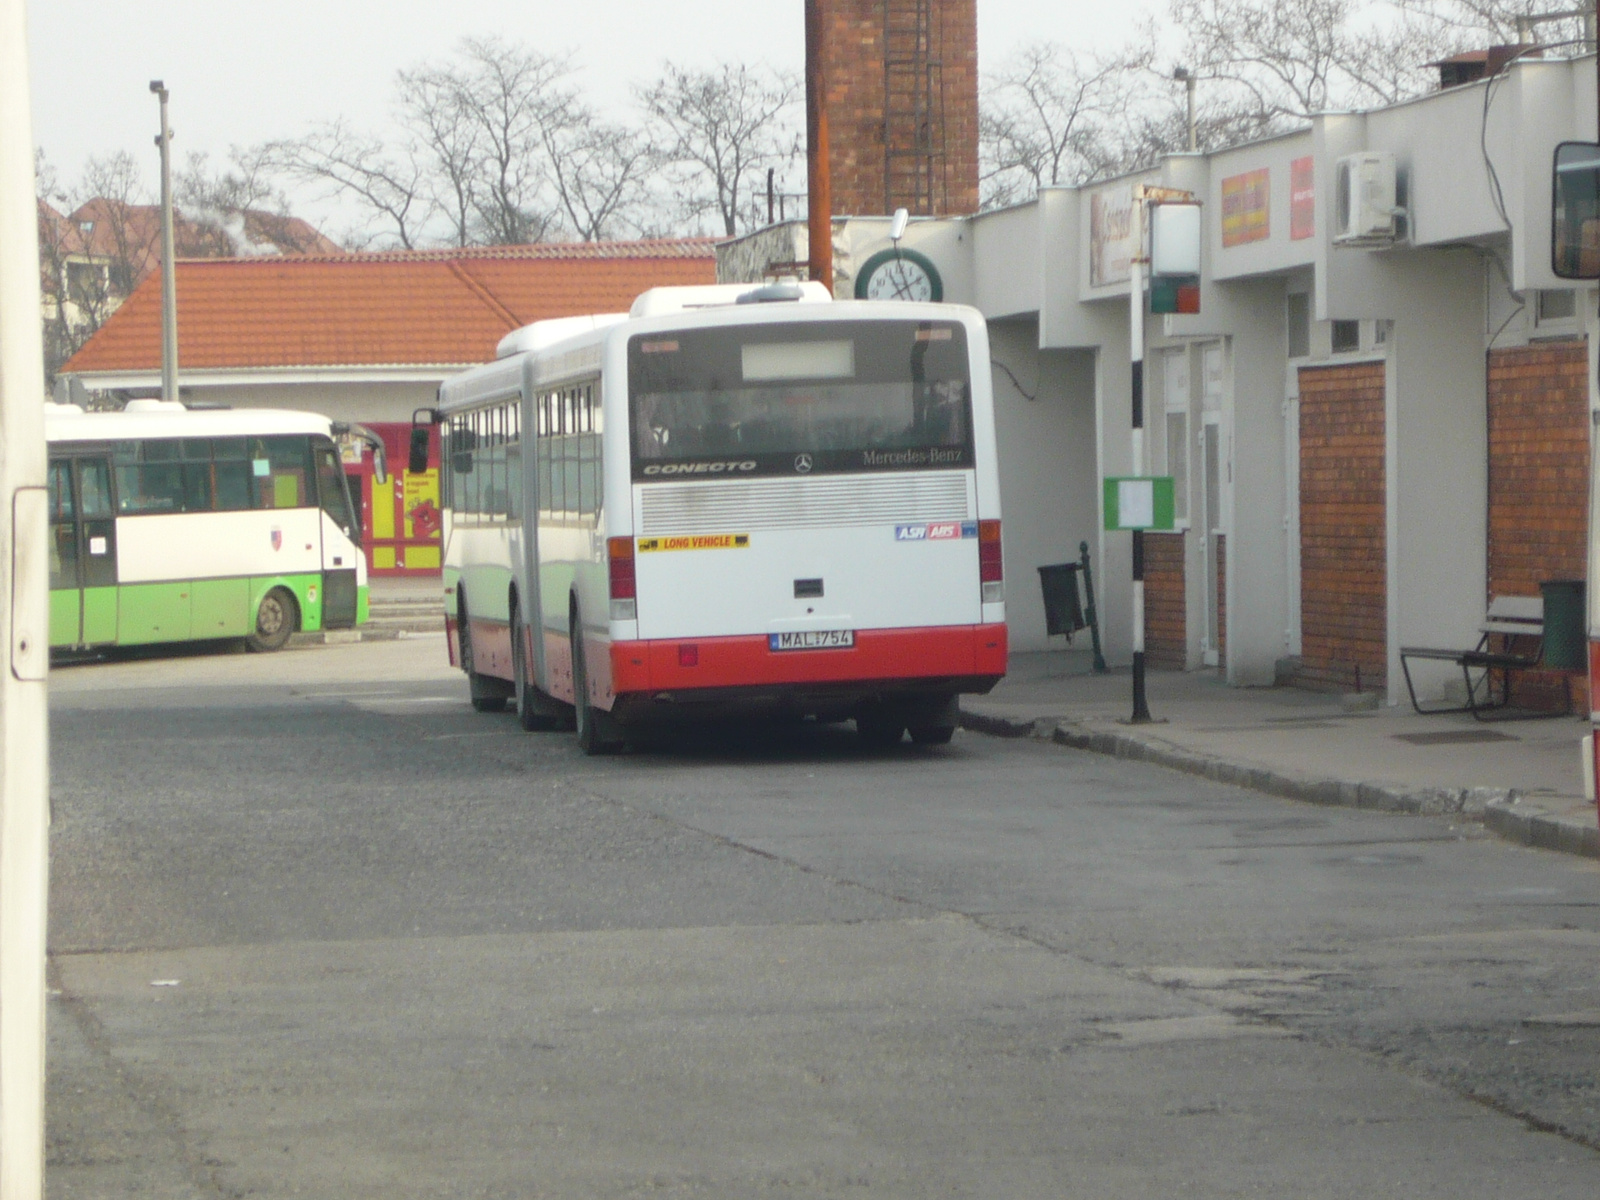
(1365, 209)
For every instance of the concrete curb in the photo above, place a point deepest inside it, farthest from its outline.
(1517, 820)
(1500, 809)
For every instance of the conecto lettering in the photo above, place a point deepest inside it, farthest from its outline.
(736, 466)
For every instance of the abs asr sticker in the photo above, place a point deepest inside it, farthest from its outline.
(938, 531)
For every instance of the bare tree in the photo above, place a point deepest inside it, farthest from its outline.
(443, 135)
(1476, 22)
(1288, 61)
(510, 94)
(348, 165)
(1053, 117)
(719, 127)
(598, 171)
(94, 248)
(246, 183)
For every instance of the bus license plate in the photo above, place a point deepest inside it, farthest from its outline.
(812, 639)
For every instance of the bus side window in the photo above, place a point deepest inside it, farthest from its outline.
(281, 468)
(331, 492)
(543, 445)
(514, 462)
(63, 528)
(231, 474)
(150, 477)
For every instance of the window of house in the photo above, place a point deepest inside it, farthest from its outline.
(1346, 337)
(1555, 304)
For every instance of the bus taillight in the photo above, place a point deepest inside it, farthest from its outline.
(991, 571)
(624, 586)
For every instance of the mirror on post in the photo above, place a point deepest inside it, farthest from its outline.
(421, 420)
(1575, 227)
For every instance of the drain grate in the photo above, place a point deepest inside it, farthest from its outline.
(1454, 737)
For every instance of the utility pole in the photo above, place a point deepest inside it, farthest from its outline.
(169, 281)
(819, 183)
(24, 636)
(1186, 77)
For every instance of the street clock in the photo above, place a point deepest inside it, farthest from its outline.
(899, 275)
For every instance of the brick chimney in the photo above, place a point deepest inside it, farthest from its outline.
(902, 102)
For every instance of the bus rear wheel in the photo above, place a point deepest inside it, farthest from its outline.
(535, 710)
(485, 696)
(597, 729)
(277, 617)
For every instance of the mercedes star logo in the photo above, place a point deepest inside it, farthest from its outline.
(802, 463)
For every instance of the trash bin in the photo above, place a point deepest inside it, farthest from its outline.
(1062, 611)
(1565, 629)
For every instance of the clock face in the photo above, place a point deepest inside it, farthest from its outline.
(899, 275)
(899, 280)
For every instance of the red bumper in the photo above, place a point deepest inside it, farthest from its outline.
(886, 655)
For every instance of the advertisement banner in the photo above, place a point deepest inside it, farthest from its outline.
(1112, 245)
(1246, 201)
(1302, 199)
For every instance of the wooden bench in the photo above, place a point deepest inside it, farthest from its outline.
(1518, 623)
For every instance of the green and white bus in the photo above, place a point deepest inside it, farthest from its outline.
(170, 525)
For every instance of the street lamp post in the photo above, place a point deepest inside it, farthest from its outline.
(1186, 77)
(169, 281)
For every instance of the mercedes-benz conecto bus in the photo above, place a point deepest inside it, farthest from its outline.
(731, 500)
(171, 525)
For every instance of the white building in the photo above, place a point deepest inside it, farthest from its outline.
(1371, 436)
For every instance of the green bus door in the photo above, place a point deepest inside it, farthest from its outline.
(83, 553)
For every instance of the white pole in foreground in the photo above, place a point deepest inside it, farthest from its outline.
(24, 582)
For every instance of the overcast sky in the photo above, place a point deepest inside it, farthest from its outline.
(244, 73)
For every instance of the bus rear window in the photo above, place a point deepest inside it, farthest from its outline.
(807, 397)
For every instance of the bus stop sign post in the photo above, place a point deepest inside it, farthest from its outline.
(24, 582)
(1131, 503)
(1141, 709)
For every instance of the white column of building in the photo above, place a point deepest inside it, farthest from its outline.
(24, 582)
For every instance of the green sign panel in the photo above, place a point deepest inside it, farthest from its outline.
(1139, 502)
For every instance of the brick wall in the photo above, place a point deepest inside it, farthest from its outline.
(1165, 607)
(864, 127)
(1343, 576)
(1538, 481)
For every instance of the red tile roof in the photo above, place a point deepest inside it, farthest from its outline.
(388, 309)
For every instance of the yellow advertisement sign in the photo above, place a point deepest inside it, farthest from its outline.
(703, 541)
(420, 498)
(1246, 204)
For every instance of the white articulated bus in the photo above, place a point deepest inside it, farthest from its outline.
(733, 499)
(172, 525)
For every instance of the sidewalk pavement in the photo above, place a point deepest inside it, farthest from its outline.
(1521, 778)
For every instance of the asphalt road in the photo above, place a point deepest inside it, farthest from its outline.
(318, 929)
